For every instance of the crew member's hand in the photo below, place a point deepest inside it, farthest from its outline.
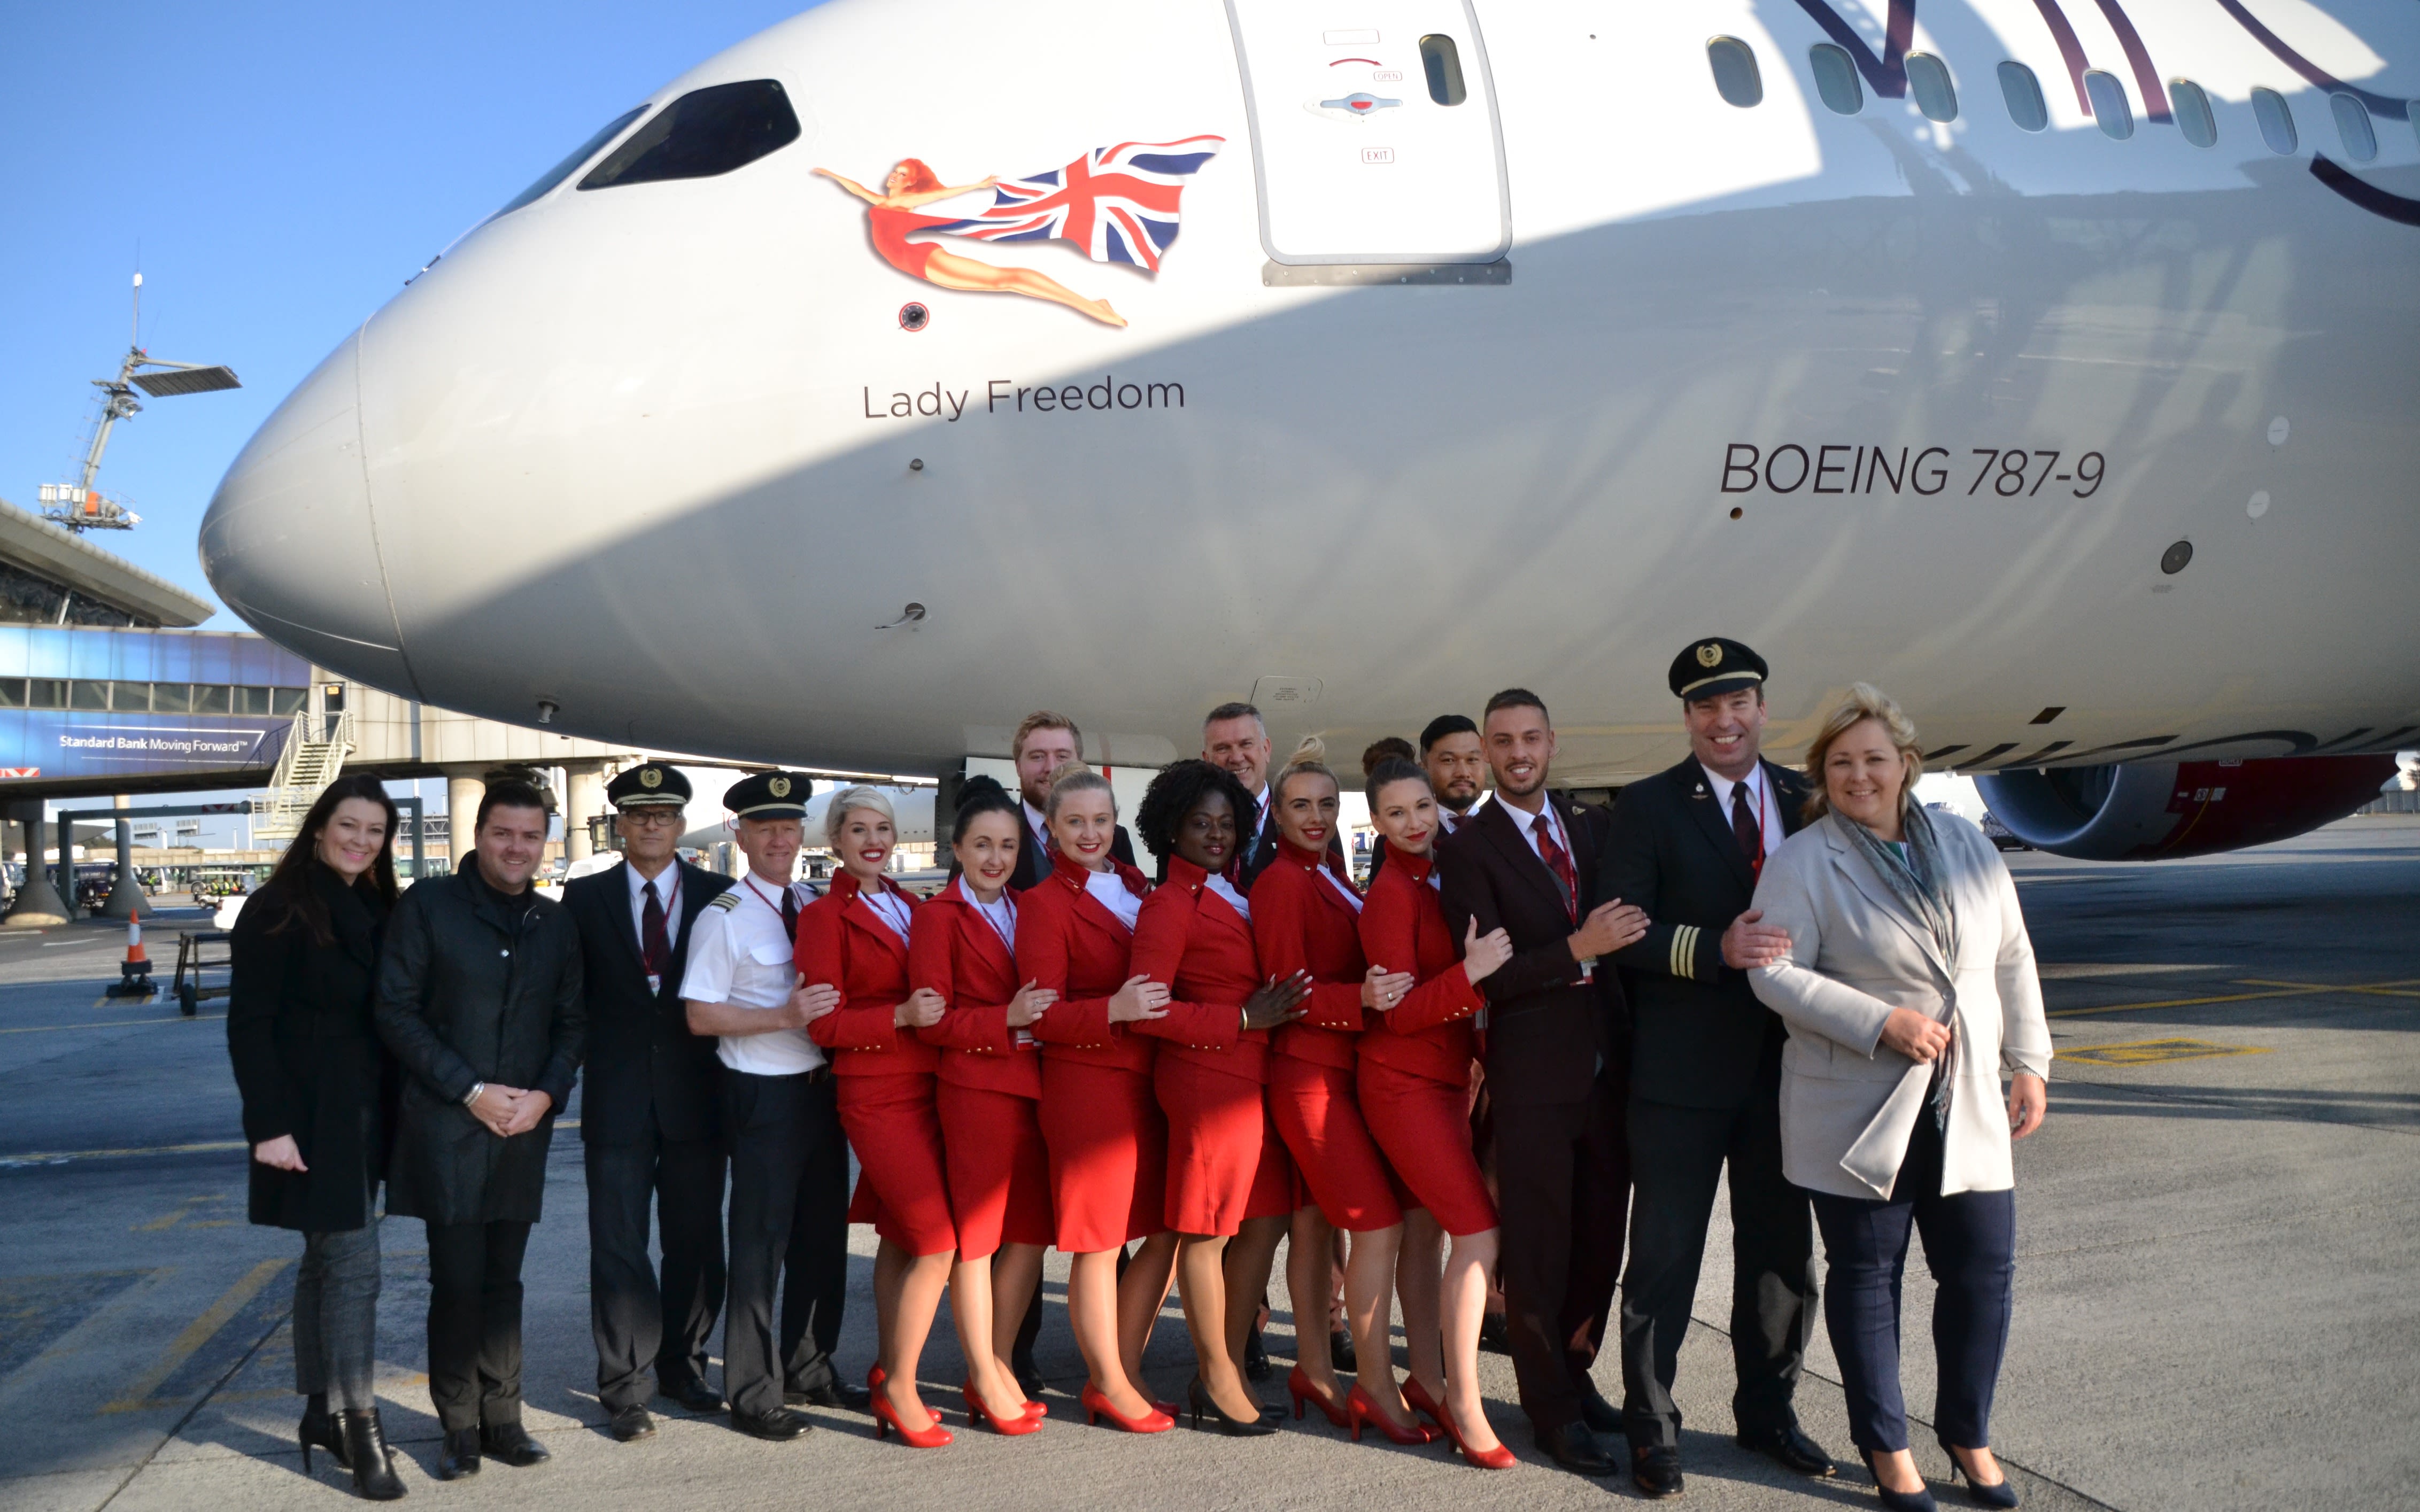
(527, 1109)
(1140, 998)
(1280, 1002)
(808, 1003)
(922, 1011)
(1382, 989)
(1914, 1034)
(1029, 1004)
(281, 1152)
(1748, 945)
(494, 1106)
(1481, 954)
(2028, 1103)
(1609, 927)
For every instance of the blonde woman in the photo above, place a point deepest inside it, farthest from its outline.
(1908, 990)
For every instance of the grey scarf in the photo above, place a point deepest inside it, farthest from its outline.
(1919, 881)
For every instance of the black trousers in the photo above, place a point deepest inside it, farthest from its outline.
(1678, 1156)
(474, 1322)
(1563, 1187)
(1970, 1243)
(789, 1232)
(642, 1317)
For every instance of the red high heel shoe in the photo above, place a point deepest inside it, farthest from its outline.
(1024, 1422)
(1363, 1410)
(1299, 1387)
(1096, 1406)
(1499, 1457)
(886, 1419)
(1417, 1397)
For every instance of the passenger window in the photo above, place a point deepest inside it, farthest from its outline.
(2023, 92)
(1736, 77)
(2110, 110)
(1836, 79)
(1928, 79)
(2353, 126)
(1442, 61)
(569, 165)
(2277, 121)
(2194, 118)
(702, 135)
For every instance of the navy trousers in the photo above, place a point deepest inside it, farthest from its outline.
(1970, 1244)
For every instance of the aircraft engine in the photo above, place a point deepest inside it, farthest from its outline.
(2157, 810)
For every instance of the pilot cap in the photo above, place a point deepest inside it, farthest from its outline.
(769, 796)
(649, 785)
(1714, 666)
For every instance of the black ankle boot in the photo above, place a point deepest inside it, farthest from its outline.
(318, 1429)
(366, 1450)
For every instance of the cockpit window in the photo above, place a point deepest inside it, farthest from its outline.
(565, 169)
(703, 133)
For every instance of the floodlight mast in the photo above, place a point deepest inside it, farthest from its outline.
(78, 506)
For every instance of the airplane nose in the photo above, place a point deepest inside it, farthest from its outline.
(289, 542)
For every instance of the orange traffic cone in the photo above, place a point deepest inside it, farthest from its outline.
(134, 972)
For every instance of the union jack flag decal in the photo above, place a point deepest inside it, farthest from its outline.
(1119, 204)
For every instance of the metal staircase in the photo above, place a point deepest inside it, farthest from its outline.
(313, 758)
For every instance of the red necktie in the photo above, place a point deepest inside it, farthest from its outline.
(1559, 861)
(1745, 827)
(790, 914)
(655, 941)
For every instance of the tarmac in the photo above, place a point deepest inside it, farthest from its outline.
(2215, 1303)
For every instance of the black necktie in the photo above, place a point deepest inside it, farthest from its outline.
(1744, 827)
(790, 914)
(655, 941)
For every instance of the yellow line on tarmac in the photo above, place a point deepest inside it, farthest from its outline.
(2279, 988)
(197, 1333)
(2380, 989)
(48, 1028)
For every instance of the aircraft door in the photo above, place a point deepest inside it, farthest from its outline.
(1375, 135)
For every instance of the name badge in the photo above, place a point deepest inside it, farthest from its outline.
(655, 984)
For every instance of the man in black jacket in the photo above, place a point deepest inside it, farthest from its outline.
(1705, 1071)
(1046, 742)
(648, 1122)
(480, 999)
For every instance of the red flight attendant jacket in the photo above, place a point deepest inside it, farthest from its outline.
(1068, 942)
(1301, 923)
(954, 950)
(1403, 929)
(1191, 939)
(844, 942)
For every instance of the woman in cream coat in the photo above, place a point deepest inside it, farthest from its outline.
(1899, 960)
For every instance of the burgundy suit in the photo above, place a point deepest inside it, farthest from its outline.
(1107, 1138)
(990, 1087)
(1302, 922)
(1555, 1084)
(884, 1075)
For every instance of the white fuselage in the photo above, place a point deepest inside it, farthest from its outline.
(667, 455)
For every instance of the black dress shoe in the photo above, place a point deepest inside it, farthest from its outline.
(1493, 1334)
(833, 1393)
(1028, 1374)
(458, 1456)
(693, 1394)
(1655, 1470)
(1197, 1396)
(1574, 1446)
(631, 1423)
(1596, 1411)
(1256, 1357)
(1791, 1449)
(779, 1426)
(1339, 1352)
(509, 1442)
(2001, 1493)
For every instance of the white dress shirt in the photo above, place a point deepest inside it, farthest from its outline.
(1112, 889)
(1037, 825)
(889, 908)
(667, 884)
(739, 954)
(1227, 889)
(1761, 802)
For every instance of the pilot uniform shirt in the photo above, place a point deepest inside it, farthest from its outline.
(668, 884)
(740, 955)
(1761, 802)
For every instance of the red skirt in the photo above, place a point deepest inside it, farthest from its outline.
(1000, 1172)
(1423, 1128)
(1316, 1109)
(1108, 1144)
(903, 1187)
(1226, 1161)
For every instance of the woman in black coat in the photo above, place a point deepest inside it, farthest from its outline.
(318, 1101)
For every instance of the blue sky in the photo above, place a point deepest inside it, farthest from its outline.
(283, 168)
